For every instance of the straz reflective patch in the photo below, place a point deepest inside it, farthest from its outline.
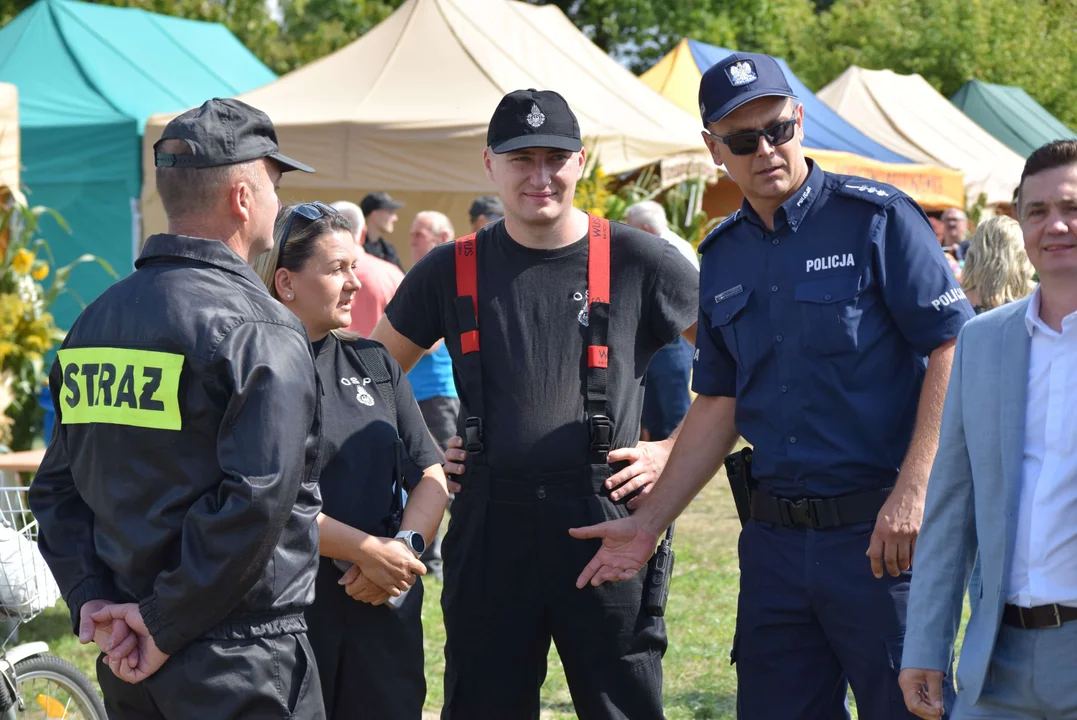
(118, 386)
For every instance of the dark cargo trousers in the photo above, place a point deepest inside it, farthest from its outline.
(812, 621)
(510, 574)
(370, 658)
(254, 679)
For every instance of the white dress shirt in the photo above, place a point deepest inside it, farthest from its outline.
(1045, 553)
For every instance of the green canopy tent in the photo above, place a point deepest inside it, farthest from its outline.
(1011, 115)
(88, 77)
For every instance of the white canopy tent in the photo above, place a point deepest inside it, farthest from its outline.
(906, 114)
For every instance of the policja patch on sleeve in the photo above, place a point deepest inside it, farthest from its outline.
(118, 386)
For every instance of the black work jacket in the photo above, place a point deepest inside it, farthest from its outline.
(179, 474)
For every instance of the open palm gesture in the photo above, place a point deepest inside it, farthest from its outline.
(626, 547)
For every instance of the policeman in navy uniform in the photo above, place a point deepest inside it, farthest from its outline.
(828, 317)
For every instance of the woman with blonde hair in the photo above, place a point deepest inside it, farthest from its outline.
(997, 270)
(367, 636)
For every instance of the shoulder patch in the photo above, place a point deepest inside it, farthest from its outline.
(874, 192)
(722, 227)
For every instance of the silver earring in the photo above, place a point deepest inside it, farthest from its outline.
(288, 296)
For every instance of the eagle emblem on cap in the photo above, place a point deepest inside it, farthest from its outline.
(535, 118)
(742, 73)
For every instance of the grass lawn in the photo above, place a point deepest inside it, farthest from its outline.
(700, 684)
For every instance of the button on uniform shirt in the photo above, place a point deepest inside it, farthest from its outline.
(1044, 569)
(821, 329)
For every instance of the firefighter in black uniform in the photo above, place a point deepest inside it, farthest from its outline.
(550, 316)
(176, 500)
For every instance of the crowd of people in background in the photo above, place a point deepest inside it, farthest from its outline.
(308, 409)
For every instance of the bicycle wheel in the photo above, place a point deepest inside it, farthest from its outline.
(51, 689)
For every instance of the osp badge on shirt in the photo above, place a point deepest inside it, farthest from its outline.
(362, 395)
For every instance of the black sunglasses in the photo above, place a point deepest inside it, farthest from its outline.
(311, 211)
(746, 143)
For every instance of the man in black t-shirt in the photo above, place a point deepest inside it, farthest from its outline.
(379, 211)
(549, 355)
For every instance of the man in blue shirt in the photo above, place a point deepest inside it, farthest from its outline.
(827, 319)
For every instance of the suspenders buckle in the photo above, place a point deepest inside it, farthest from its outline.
(473, 435)
(601, 433)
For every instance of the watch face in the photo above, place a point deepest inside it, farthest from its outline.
(418, 544)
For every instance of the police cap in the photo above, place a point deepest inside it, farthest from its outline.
(737, 79)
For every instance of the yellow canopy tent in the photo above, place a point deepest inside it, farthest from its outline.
(405, 108)
(837, 146)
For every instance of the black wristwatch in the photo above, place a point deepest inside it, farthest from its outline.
(413, 540)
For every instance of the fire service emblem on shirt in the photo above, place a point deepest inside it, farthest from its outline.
(364, 396)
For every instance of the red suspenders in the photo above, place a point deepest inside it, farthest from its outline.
(598, 283)
(467, 285)
(598, 310)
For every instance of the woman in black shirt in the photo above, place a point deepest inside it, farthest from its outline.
(365, 624)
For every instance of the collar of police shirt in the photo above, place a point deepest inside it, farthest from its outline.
(1044, 569)
(796, 207)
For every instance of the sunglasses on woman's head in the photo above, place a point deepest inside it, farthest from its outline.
(311, 211)
(746, 143)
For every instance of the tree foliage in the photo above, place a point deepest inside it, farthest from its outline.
(639, 32)
(304, 30)
(1029, 43)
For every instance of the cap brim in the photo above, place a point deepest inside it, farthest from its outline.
(555, 142)
(287, 164)
(742, 99)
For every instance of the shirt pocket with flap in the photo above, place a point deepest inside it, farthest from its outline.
(829, 314)
(727, 316)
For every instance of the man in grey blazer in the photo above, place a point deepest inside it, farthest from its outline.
(1005, 482)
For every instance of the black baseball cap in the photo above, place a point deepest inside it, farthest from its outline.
(737, 79)
(488, 205)
(223, 132)
(533, 118)
(379, 201)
